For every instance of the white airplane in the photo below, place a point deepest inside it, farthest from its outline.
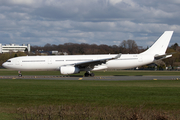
(71, 64)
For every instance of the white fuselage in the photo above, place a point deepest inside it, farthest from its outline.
(55, 62)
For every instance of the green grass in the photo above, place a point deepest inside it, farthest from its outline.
(103, 93)
(152, 95)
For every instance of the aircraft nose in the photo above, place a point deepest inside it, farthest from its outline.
(4, 65)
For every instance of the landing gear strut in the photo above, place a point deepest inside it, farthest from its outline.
(88, 73)
(19, 74)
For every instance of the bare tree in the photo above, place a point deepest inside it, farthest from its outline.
(128, 46)
(132, 46)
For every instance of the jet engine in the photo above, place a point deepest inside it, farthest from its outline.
(69, 70)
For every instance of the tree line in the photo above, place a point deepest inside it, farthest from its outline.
(126, 46)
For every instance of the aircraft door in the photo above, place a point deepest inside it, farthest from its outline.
(17, 62)
(140, 59)
(49, 60)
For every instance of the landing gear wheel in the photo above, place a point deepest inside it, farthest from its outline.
(92, 74)
(87, 74)
(20, 75)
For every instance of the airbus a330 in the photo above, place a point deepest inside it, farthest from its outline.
(71, 64)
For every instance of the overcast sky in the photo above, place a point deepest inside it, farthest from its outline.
(39, 22)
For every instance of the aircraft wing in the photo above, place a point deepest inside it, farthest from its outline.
(92, 63)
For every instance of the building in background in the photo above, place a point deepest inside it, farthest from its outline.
(14, 48)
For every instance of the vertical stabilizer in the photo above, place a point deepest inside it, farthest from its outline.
(160, 46)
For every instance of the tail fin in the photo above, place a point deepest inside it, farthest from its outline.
(160, 46)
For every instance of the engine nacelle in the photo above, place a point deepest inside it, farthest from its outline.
(69, 70)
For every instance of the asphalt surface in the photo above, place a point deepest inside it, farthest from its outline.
(108, 78)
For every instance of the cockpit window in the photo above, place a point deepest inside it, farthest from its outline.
(8, 61)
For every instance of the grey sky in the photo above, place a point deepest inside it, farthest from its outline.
(87, 21)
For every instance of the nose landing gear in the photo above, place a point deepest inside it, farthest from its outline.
(19, 74)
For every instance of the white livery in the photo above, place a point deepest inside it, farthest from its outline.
(71, 64)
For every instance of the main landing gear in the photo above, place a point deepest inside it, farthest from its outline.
(88, 73)
(19, 74)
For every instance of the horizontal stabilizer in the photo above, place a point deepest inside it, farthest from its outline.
(160, 57)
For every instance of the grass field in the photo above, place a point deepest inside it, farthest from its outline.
(24, 99)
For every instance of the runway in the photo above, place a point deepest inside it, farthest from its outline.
(105, 78)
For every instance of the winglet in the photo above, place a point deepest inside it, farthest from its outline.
(118, 56)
